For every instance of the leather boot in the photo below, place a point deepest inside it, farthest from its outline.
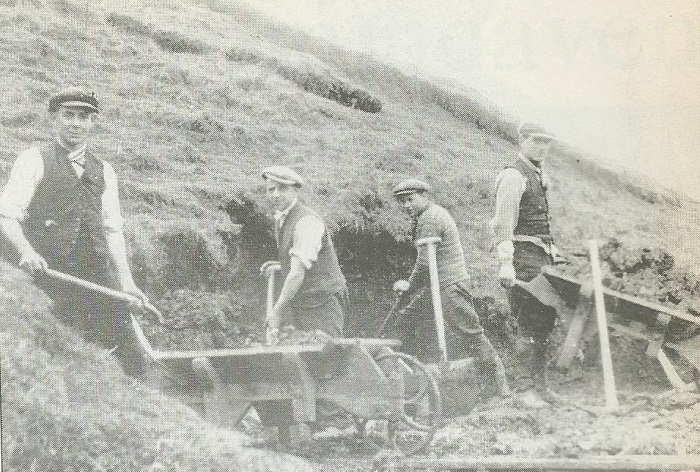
(539, 373)
(490, 367)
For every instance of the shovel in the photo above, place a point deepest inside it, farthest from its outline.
(126, 297)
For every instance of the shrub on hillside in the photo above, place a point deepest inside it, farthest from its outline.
(326, 87)
(177, 42)
(127, 24)
(242, 55)
(167, 40)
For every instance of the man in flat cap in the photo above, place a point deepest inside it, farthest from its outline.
(464, 333)
(60, 210)
(313, 295)
(524, 245)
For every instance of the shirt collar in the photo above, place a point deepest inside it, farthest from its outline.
(529, 163)
(280, 215)
(77, 155)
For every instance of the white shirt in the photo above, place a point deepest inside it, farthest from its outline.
(27, 172)
(510, 187)
(308, 235)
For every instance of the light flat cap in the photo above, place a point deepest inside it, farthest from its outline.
(410, 186)
(531, 129)
(74, 97)
(283, 175)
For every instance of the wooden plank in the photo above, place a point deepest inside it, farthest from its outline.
(671, 372)
(588, 463)
(303, 389)
(243, 351)
(617, 298)
(605, 354)
(570, 346)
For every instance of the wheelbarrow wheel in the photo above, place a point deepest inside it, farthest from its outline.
(422, 405)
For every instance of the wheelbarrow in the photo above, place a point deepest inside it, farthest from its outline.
(283, 384)
(629, 315)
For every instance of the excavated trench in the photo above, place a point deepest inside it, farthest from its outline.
(210, 304)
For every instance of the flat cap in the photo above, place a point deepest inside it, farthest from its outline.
(74, 97)
(283, 175)
(531, 129)
(410, 186)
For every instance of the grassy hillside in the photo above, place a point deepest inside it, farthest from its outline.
(197, 98)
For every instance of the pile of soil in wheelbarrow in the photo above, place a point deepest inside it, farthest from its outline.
(199, 320)
(645, 272)
(196, 320)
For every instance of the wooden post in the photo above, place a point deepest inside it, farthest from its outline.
(271, 335)
(430, 244)
(606, 357)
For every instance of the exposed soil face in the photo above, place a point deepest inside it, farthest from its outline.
(649, 420)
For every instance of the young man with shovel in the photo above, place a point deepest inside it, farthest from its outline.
(313, 294)
(463, 334)
(60, 210)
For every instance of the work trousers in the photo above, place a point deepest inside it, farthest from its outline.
(535, 319)
(99, 319)
(319, 311)
(416, 324)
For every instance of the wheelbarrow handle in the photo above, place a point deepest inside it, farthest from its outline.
(119, 295)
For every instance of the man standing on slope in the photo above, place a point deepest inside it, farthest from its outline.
(313, 295)
(464, 334)
(60, 210)
(524, 245)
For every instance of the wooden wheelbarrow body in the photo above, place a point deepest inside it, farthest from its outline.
(282, 383)
(285, 384)
(628, 315)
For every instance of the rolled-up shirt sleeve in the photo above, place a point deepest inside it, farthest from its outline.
(27, 172)
(510, 186)
(308, 239)
(112, 219)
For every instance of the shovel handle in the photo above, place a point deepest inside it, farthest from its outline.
(110, 292)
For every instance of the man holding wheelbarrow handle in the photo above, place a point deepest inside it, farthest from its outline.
(442, 291)
(60, 211)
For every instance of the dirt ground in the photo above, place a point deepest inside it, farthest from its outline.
(651, 419)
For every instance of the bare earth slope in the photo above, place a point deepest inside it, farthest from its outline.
(197, 98)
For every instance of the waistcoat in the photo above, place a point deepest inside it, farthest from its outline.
(64, 217)
(325, 275)
(533, 218)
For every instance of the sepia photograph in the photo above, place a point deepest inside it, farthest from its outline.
(349, 235)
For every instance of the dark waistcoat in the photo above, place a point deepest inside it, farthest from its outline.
(533, 218)
(64, 218)
(325, 275)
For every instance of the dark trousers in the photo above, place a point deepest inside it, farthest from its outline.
(99, 319)
(535, 319)
(416, 324)
(319, 311)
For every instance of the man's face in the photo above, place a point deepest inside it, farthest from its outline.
(535, 148)
(73, 125)
(413, 203)
(280, 195)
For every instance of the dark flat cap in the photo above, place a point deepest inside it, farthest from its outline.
(410, 186)
(283, 175)
(74, 97)
(531, 129)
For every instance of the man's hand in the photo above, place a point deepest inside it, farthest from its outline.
(132, 289)
(507, 274)
(269, 268)
(32, 262)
